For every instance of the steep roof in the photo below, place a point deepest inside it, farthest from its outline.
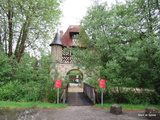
(57, 40)
(66, 38)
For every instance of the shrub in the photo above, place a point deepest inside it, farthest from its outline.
(131, 97)
(12, 91)
(5, 69)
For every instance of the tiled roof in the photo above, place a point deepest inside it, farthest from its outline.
(66, 38)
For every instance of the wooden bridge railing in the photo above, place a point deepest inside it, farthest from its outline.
(90, 91)
(64, 94)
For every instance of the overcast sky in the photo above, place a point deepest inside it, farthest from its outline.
(74, 10)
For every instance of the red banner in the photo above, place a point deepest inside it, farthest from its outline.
(58, 83)
(74, 78)
(102, 83)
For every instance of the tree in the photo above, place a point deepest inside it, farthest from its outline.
(123, 43)
(27, 24)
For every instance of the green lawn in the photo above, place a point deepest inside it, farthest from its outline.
(44, 105)
(18, 105)
(127, 106)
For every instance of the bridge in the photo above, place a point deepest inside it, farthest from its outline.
(74, 95)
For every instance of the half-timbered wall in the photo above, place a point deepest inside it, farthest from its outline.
(67, 57)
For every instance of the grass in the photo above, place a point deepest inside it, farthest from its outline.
(19, 105)
(127, 106)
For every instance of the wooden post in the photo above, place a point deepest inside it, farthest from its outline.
(89, 90)
(94, 97)
(64, 97)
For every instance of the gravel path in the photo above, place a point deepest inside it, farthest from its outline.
(72, 113)
(87, 113)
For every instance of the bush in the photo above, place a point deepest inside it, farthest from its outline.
(5, 69)
(130, 97)
(31, 91)
(12, 91)
(120, 95)
(30, 80)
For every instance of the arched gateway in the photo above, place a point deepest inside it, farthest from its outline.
(63, 63)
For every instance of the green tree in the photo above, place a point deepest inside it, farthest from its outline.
(122, 43)
(27, 24)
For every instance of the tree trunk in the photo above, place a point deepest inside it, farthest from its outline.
(5, 44)
(1, 44)
(0, 40)
(10, 23)
(149, 18)
(5, 39)
(24, 37)
(157, 5)
(36, 65)
(18, 42)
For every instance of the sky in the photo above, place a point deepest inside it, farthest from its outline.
(74, 10)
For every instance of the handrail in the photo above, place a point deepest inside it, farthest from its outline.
(90, 91)
(64, 94)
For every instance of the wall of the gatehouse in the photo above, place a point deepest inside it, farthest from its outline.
(63, 69)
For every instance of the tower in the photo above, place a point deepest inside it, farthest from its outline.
(56, 49)
(62, 60)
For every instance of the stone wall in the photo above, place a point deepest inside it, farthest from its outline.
(63, 69)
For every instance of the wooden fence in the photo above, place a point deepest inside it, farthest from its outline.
(64, 94)
(90, 91)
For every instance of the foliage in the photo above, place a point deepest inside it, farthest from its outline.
(127, 106)
(27, 24)
(31, 82)
(131, 97)
(73, 75)
(123, 44)
(25, 69)
(5, 69)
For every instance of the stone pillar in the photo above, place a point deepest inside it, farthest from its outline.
(151, 112)
(116, 109)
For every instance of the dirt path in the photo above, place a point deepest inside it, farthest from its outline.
(72, 113)
(89, 113)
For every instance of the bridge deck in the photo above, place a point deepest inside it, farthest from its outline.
(76, 96)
